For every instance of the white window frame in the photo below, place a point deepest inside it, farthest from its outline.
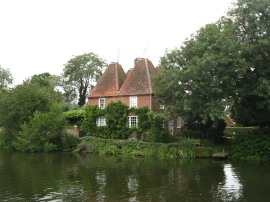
(161, 106)
(133, 101)
(179, 122)
(101, 103)
(101, 121)
(171, 127)
(132, 121)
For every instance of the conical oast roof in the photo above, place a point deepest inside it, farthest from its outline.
(110, 82)
(138, 81)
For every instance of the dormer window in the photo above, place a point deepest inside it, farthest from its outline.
(101, 103)
(133, 101)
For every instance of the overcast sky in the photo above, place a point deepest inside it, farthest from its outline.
(38, 36)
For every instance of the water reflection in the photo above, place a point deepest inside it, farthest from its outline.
(231, 189)
(132, 188)
(67, 177)
(101, 181)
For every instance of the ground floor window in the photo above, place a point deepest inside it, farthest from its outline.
(171, 127)
(180, 122)
(132, 121)
(101, 121)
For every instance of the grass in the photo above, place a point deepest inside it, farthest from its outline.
(185, 149)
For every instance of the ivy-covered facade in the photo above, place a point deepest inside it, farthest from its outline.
(134, 90)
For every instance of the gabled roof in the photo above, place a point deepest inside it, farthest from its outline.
(110, 82)
(138, 81)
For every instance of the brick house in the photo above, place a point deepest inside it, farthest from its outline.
(133, 89)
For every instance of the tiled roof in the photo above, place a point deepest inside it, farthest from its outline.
(110, 82)
(139, 79)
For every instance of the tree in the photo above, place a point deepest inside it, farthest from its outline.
(19, 104)
(252, 20)
(198, 80)
(44, 80)
(78, 74)
(224, 64)
(43, 132)
(5, 78)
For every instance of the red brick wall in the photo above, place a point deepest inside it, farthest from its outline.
(142, 101)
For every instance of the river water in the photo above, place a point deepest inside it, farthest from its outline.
(69, 177)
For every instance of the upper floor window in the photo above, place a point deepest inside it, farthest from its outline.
(101, 121)
(133, 101)
(132, 121)
(161, 106)
(101, 103)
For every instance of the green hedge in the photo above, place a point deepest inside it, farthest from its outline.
(252, 144)
(233, 131)
(184, 150)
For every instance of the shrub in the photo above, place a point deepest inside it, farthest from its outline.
(42, 133)
(69, 142)
(89, 120)
(186, 149)
(156, 133)
(75, 117)
(233, 131)
(48, 147)
(116, 114)
(252, 144)
(212, 130)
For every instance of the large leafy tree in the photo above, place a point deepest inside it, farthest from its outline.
(79, 74)
(44, 80)
(5, 78)
(199, 80)
(223, 64)
(252, 22)
(19, 104)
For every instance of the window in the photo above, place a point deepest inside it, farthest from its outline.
(132, 121)
(101, 121)
(101, 103)
(161, 106)
(179, 122)
(171, 127)
(133, 101)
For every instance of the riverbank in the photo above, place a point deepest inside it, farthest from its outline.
(185, 149)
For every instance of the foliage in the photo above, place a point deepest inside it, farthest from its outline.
(69, 142)
(156, 133)
(89, 120)
(5, 78)
(68, 106)
(184, 150)
(75, 117)
(78, 74)
(252, 19)
(223, 64)
(253, 144)
(187, 150)
(233, 131)
(212, 130)
(203, 152)
(116, 114)
(44, 80)
(42, 133)
(19, 104)
(144, 122)
(184, 84)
